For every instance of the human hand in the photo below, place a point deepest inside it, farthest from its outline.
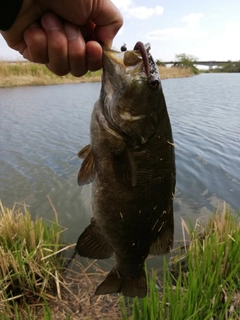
(64, 35)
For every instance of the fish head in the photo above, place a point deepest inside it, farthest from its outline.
(131, 93)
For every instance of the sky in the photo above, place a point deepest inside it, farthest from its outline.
(206, 29)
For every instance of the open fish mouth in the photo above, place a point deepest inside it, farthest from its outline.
(133, 61)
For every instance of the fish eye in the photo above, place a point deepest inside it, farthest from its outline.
(153, 83)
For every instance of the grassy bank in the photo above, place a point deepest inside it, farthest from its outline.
(31, 74)
(201, 282)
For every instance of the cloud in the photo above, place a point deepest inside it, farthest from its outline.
(122, 4)
(131, 10)
(189, 31)
(192, 20)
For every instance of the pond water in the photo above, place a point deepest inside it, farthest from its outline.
(43, 128)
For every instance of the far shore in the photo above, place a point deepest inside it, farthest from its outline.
(30, 74)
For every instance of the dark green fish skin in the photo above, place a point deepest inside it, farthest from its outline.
(130, 162)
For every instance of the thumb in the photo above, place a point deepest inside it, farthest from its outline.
(108, 22)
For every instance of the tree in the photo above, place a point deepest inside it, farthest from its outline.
(160, 63)
(185, 60)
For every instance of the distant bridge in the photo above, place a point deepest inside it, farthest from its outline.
(210, 64)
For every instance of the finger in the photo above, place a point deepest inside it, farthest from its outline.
(103, 13)
(36, 44)
(108, 22)
(76, 50)
(57, 44)
(94, 55)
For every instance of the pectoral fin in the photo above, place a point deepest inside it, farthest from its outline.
(87, 171)
(125, 168)
(92, 244)
(84, 152)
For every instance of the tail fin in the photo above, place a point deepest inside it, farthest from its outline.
(129, 286)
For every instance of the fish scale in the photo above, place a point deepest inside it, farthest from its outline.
(131, 165)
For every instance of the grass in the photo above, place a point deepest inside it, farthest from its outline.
(31, 74)
(204, 281)
(31, 263)
(201, 281)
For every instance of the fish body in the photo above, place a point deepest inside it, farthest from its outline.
(130, 162)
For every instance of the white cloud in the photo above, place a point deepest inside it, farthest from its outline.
(227, 42)
(131, 10)
(144, 12)
(189, 31)
(123, 4)
(223, 46)
(192, 20)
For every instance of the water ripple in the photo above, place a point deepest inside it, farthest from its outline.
(43, 128)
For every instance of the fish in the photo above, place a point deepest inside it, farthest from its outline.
(130, 162)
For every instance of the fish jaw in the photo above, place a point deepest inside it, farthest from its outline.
(129, 104)
(122, 64)
(124, 67)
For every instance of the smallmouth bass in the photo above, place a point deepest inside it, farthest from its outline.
(131, 164)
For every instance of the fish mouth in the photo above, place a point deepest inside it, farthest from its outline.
(130, 61)
(136, 62)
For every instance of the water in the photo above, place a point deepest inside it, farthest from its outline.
(43, 128)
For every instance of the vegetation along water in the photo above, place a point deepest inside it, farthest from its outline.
(205, 115)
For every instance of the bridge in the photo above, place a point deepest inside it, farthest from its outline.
(210, 64)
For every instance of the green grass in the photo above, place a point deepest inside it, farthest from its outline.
(203, 283)
(31, 262)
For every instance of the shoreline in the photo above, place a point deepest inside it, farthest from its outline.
(21, 74)
(206, 260)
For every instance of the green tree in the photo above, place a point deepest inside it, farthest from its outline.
(160, 63)
(231, 67)
(184, 60)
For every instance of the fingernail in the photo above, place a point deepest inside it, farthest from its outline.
(71, 31)
(51, 22)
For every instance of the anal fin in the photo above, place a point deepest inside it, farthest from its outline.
(92, 244)
(130, 286)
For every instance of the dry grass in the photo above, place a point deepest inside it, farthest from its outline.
(30, 258)
(33, 282)
(78, 300)
(174, 72)
(31, 74)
